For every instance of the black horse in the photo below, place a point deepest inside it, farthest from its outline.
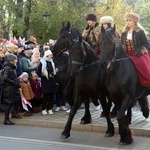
(85, 69)
(121, 81)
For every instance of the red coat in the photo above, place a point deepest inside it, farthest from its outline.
(36, 87)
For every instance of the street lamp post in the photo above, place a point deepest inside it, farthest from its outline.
(46, 16)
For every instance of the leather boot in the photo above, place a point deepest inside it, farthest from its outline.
(8, 122)
(7, 111)
(15, 115)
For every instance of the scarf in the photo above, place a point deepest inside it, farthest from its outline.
(44, 66)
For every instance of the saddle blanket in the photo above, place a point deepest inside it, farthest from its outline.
(142, 64)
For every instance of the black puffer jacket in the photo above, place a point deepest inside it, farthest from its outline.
(11, 84)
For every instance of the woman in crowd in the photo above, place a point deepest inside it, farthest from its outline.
(35, 58)
(11, 85)
(47, 71)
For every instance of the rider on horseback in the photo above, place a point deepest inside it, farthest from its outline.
(91, 33)
(135, 45)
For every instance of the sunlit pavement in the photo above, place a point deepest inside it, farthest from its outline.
(139, 125)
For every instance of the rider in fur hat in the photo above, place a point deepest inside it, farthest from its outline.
(91, 32)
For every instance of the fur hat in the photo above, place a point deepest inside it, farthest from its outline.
(11, 57)
(48, 52)
(91, 17)
(133, 16)
(12, 48)
(106, 19)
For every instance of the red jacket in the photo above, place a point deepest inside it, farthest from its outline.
(36, 87)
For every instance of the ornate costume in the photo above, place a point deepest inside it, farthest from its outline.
(136, 45)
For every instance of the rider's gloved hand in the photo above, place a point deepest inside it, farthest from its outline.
(87, 27)
(138, 53)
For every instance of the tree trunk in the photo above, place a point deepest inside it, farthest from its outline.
(27, 18)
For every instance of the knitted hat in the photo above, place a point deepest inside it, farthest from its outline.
(11, 57)
(24, 74)
(106, 19)
(91, 17)
(133, 16)
(12, 48)
(48, 52)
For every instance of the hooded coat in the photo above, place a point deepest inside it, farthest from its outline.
(11, 85)
(26, 90)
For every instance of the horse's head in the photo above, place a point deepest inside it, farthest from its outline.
(76, 55)
(66, 37)
(81, 57)
(108, 43)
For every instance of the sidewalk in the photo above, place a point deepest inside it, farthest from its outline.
(139, 125)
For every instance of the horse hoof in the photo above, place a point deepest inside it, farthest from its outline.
(64, 136)
(146, 114)
(129, 141)
(102, 114)
(109, 134)
(85, 121)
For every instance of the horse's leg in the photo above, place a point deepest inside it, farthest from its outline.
(110, 127)
(109, 104)
(66, 133)
(70, 98)
(143, 102)
(124, 131)
(69, 87)
(129, 115)
(87, 116)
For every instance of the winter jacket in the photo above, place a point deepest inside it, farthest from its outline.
(26, 64)
(139, 39)
(91, 35)
(36, 88)
(48, 86)
(26, 90)
(11, 85)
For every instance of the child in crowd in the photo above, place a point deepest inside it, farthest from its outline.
(26, 90)
(35, 82)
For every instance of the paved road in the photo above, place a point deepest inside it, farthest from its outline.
(37, 138)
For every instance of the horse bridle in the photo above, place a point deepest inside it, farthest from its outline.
(77, 62)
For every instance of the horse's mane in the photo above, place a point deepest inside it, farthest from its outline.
(65, 28)
(111, 44)
(89, 51)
